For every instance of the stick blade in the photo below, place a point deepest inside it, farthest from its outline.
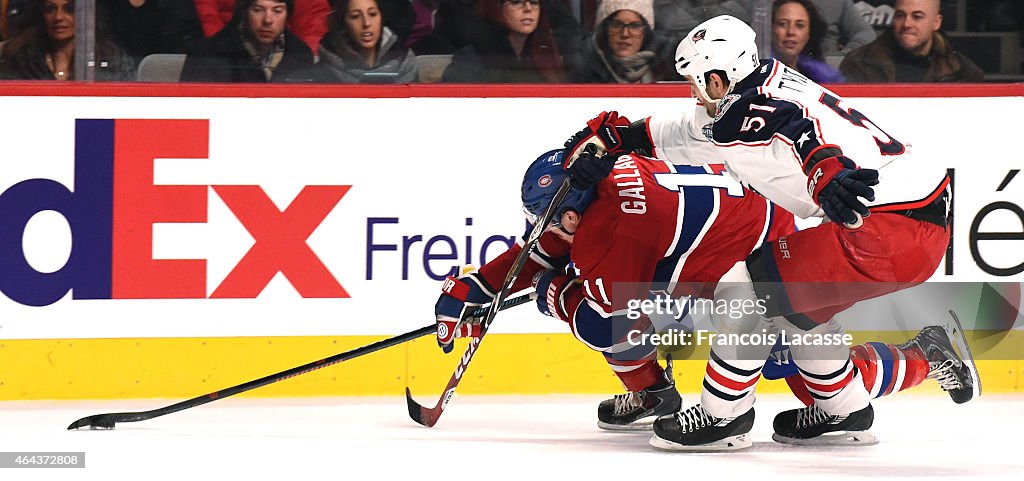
(418, 413)
(96, 421)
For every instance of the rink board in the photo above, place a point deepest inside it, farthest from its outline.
(505, 364)
(422, 179)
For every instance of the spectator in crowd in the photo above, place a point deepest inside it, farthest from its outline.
(677, 17)
(914, 50)
(624, 48)
(847, 28)
(797, 31)
(255, 46)
(45, 49)
(358, 48)
(517, 46)
(308, 20)
(877, 13)
(461, 23)
(143, 27)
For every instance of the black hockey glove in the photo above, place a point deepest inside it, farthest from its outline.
(836, 183)
(589, 169)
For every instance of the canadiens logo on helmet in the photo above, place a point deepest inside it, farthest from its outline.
(544, 180)
(699, 35)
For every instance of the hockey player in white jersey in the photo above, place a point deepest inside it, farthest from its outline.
(806, 149)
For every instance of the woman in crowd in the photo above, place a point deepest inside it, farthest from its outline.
(358, 48)
(45, 50)
(624, 48)
(797, 32)
(517, 46)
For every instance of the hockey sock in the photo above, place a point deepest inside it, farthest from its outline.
(887, 368)
(884, 368)
(729, 385)
(639, 375)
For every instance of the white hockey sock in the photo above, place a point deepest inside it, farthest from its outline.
(831, 377)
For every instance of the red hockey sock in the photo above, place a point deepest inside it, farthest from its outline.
(887, 368)
(642, 377)
(796, 384)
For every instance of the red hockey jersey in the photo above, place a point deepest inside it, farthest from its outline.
(650, 224)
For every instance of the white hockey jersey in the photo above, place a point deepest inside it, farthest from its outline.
(774, 121)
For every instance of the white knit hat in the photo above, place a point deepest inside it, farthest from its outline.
(608, 8)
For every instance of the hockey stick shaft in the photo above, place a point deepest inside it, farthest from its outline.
(107, 421)
(429, 417)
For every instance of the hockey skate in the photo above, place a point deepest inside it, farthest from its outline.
(636, 411)
(697, 430)
(955, 372)
(810, 426)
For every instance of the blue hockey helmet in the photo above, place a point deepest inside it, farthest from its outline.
(540, 183)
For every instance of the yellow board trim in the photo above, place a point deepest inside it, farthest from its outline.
(189, 367)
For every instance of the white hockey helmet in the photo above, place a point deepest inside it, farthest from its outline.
(722, 43)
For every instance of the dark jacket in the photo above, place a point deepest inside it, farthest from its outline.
(876, 62)
(491, 59)
(161, 26)
(458, 22)
(223, 58)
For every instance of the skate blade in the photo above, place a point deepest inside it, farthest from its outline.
(845, 438)
(956, 333)
(732, 443)
(638, 426)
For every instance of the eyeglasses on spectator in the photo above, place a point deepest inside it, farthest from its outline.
(521, 4)
(616, 26)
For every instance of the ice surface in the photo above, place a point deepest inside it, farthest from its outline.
(496, 437)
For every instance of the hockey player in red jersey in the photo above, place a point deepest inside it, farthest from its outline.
(649, 224)
(805, 149)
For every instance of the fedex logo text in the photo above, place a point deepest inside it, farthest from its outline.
(113, 207)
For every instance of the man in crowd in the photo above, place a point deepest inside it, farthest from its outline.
(255, 46)
(914, 50)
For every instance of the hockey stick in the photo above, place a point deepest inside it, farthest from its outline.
(107, 421)
(429, 417)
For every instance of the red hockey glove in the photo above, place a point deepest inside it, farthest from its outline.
(460, 296)
(601, 132)
(836, 183)
(551, 286)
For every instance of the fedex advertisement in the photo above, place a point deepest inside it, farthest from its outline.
(189, 217)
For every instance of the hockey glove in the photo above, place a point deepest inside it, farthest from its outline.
(601, 132)
(836, 183)
(589, 169)
(551, 286)
(459, 297)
